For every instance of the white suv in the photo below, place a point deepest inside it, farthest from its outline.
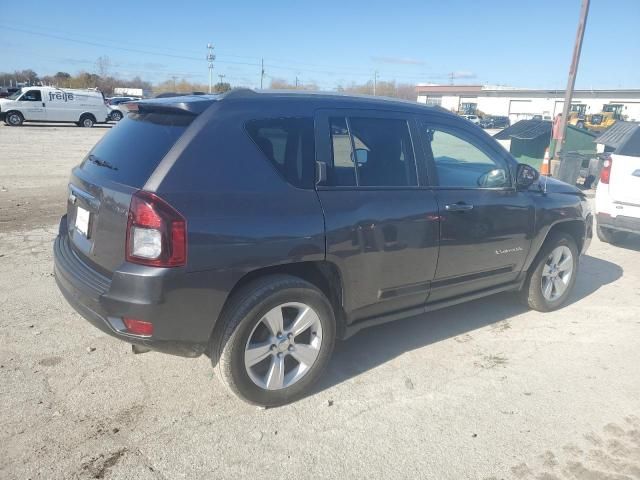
(618, 196)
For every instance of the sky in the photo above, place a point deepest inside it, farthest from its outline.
(501, 42)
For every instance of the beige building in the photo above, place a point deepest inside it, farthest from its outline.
(523, 104)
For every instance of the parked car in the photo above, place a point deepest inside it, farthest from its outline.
(49, 104)
(618, 194)
(494, 122)
(472, 118)
(118, 107)
(260, 227)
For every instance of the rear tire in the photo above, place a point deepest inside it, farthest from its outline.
(552, 275)
(87, 121)
(609, 235)
(247, 352)
(14, 119)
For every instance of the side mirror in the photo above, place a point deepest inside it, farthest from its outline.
(525, 176)
(493, 179)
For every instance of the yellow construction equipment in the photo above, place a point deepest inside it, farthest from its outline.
(577, 114)
(610, 114)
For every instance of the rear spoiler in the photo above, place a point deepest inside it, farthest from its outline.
(189, 104)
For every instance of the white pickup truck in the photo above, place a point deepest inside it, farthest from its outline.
(618, 193)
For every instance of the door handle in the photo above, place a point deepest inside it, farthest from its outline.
(458, 207)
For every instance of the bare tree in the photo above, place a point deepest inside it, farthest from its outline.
(103, 65)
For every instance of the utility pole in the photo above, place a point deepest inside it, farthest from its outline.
(261, 72)
(210, 58)
(375, 82)
(573, 70)
(221, 76)
(174, 82)
(296, 82)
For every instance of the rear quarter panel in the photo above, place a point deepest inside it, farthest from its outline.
(241, 214)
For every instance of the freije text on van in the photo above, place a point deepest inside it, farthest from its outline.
(66, 96)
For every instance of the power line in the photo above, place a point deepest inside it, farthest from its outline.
(262, 65)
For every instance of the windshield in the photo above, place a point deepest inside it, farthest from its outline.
(15, 95)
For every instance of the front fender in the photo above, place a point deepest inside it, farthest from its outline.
(565, 211)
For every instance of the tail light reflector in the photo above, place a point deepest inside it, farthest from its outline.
(605, 173)
(156, 232)
(138, 327)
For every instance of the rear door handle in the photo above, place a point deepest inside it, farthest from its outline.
(458, 207)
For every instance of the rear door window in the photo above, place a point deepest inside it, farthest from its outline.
(132, 150)
(288, 143)
(371, 152)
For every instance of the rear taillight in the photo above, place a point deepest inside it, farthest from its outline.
(605, 173)
(156, 232)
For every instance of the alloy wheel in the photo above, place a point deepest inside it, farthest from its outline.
(283, 346)
(556, 273)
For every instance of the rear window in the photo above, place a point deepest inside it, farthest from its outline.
(288, 143)
(131, 151)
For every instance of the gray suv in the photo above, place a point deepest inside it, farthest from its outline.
(260, 227)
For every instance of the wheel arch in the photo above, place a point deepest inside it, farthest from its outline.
(576, 228)
(13, 110)
(322, 274)
(87, 114)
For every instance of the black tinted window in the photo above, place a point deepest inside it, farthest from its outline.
(371, 152)
(32, 96)
(132, 150)
(289, 144)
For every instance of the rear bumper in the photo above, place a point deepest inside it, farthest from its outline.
(180, 313)
(620, 222)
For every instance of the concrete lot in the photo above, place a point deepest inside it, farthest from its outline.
(486, 390)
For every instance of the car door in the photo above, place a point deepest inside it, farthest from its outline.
(381, 222)
(32, 106)
(486, 225)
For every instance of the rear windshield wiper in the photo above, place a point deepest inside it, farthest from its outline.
(101, 163)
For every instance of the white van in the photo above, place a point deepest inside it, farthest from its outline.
(50, 104)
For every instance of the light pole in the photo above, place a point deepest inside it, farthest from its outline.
(210, 58)
(573, 71)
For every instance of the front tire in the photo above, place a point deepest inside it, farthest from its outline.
(116, 115)
(14, 119)
(608, 235)
(275, 339)
(553, 274)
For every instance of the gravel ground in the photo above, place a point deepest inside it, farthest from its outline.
(486, 390)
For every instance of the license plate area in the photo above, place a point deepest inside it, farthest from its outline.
(83, 221)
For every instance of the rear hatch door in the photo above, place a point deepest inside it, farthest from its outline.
(624, 183)
(101, 187)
